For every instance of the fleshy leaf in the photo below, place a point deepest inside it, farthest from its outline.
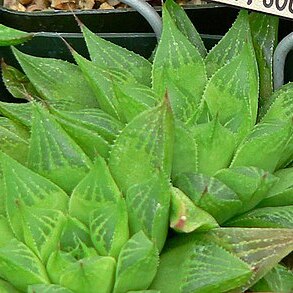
(230, 45)
(20, 266)
(102, 81)
(11, 37)
(261, 249)
(251, 184)
(6, 287)
(211, 139)
(109, 55)
(58, 82)
(93, 274)
(209, 194)
(6, 232)
(186, 217)
(281, 194)
(232, 93)
(178, 60)
(14, 139)
(269, 217)
(199, 266)
(268, 141)
(96, 188)
(185, 105)
(92, 129)
(281, 106)
(18, 112)
(133, 99)
(41, 229)
(58, 262)
(137, 264)
(279, 279)
(109, 227)
(144, 146)
(23, 187)
(185, 25)
(42, 288)
(185, 153)
(264, 31)
(144, 291)
(75, 236)
(148, 205)
(17, 83)
(281, 110)
(54, 154)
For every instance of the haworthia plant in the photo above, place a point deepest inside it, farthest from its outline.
(123, 175)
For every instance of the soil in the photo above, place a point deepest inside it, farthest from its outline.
(41, 5)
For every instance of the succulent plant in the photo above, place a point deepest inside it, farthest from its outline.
(121, 174)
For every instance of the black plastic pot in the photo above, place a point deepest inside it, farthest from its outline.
(208, 19)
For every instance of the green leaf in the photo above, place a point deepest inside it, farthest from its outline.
(58, 262)
(281, 110)
(42, 288)
(93, 274)
(281, 105)
(6, 232)
(230, 45)
(18, 112)
(264, 31)
(232, 93)
(14, 139)
(102, 81)
(20, 267)
(11, 37)
(23, 187)
(75, 236)
(209, 194)
(97, 187)
(264, 146)
(186, 217)
(251, 184)
(185, 25)
(17, 83)
(279, 279)
(54, 154)
(281, 194)
(148, 205)
(269, 217)
(109, 55)
(211, 139)
(109, 227)
(177, 60)
(261, 249)
(137, 264)
(199, 265)
(134, 99)
(41, 229)
(59, 83)
(144, 146)
(221, 260)
(185, 153)
(6, 287)
(92, 129)
(144, 291)
(185, 105)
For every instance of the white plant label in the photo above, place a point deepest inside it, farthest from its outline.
(282, 8)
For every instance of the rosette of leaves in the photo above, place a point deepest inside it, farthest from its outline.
(110, 153)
